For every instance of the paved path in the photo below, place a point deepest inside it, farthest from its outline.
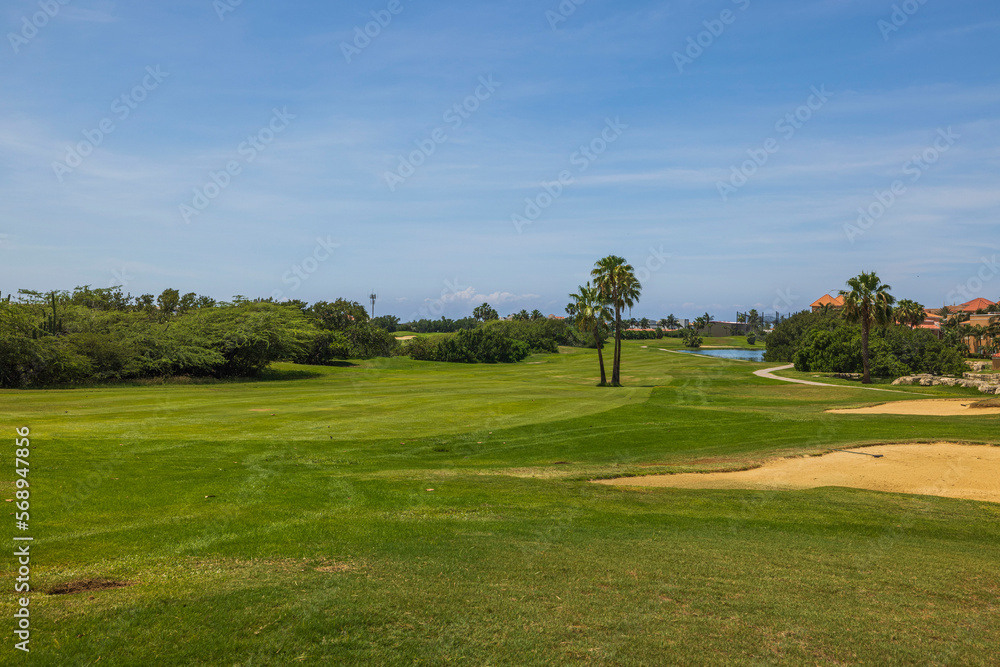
(768, 373)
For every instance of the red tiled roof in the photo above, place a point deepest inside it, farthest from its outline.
(974, 305)
(827, 299)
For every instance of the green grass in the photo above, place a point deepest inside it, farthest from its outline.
(290, 520)
(403, 334)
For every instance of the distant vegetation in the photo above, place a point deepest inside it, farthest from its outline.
(102, 335)
(866, 338)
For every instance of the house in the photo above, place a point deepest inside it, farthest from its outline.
(977, 318)
(972, 306)
(835, 302)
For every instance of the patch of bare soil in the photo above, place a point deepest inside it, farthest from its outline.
(940, 469)
(86, 585)
(336, 567)
(934, 407)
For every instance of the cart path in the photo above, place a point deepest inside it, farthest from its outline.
(768, 374)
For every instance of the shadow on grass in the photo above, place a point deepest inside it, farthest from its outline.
(267, 375)
(275, 375)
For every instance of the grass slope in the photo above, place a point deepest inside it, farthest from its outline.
(269, 522)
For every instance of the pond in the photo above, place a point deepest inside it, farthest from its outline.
(742, 355)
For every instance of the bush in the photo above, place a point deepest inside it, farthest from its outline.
(630, 334)
(893, 352)
(421, 349)
(691, 338)
(493, 342)
(786, 338)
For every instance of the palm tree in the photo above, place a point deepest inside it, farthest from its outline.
(615, 280)
(976, 333)
(672, 322)
(592, 315)
(909, 313)
(868, 302)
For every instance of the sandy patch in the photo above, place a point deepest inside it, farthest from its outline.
(935, 407)
(405, 337)
(940, 469)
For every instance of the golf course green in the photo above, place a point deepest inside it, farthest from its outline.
(396, 512)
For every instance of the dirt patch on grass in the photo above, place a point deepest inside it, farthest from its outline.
(405, 337)
(86, 585)
(935, 407)
(336, 567)
(940, 469)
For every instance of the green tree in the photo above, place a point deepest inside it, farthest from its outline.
(868, 302)
(485, 312)
(615, 280)
(389, 323)
(168, 302)
(592, 315)
(338, 315)
(909, 313)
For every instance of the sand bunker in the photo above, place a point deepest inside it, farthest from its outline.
(936, 407)
(940, 469)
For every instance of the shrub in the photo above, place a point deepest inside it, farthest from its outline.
(691, 338)
(893, 352)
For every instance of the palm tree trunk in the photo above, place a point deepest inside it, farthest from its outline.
(600, 357)
(615, 370)
(867, 379)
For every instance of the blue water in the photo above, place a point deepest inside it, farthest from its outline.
(744, 355)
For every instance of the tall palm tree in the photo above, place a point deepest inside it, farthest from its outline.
(592, 315)
(868, 302)
(615, 280)
(672, 322)
(909, 313)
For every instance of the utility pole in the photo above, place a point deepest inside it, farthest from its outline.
(373, 296)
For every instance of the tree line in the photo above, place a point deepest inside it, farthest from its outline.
(103, 335)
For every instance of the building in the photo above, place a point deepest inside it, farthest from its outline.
(836, 302)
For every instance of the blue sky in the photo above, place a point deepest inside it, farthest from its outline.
(820, 107)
